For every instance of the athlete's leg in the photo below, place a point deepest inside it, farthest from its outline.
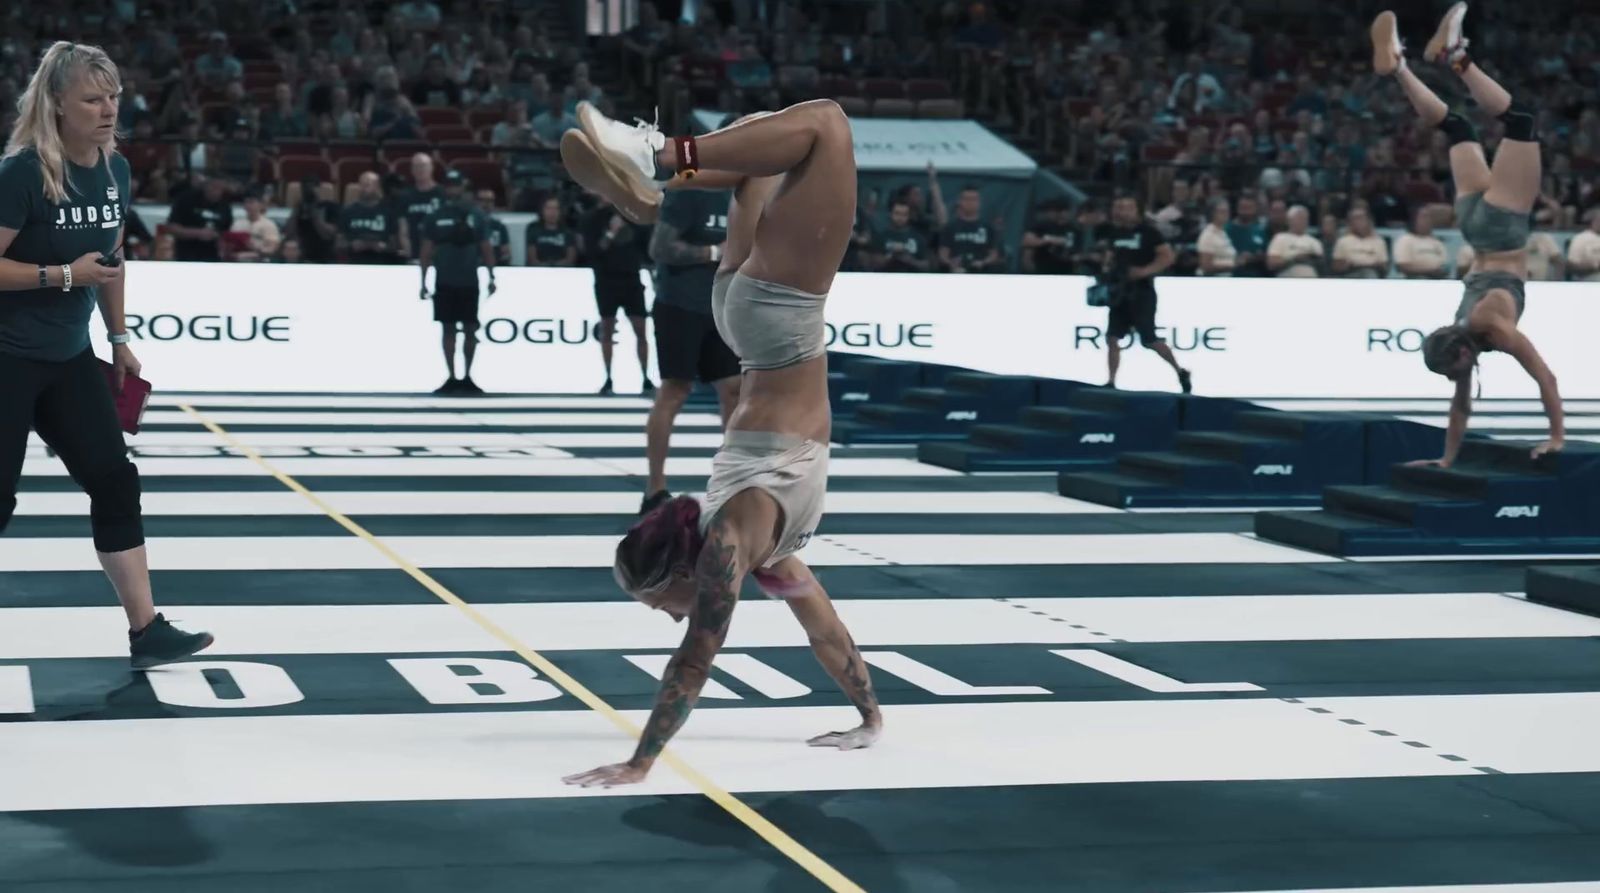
(449, 341)
(812, 212)
(1468, 165)
(1516, 175)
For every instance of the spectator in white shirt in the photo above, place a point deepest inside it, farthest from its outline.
(264, 234)
(1295, 253)
(1583, 252)
(1419, 254)
(1360, 253)
(1217, 254)
(1545, 262)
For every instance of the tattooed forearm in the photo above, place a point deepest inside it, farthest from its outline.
(717, 577)
(668, 247)
(839, 656)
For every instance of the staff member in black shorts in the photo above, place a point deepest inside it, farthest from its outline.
(455, 241)
(1135, 253)
(686, 245)
(63, 196)
(616, 254)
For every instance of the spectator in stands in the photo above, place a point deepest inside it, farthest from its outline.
(166, 247)
(288, 252)
(900, 247)
(436, 88)
(1545, 261)
(1218, 257)
(368, 232)
(516, 120)
(549, 242)
(1418, 254)
(238, 159)
(388, 114)
(199, 217)
(1053, 244)
(316, 96)
(970, 244)
(555, 120)
(1361, 253)
(261, 231)
(1248, 233)
(314, 215)
(581, 90)
(217, 67)
(415, 15)
(1583, 252)
(421, 198)
(342, 121)
(1295, 253)
(499, 236)
(284, 120)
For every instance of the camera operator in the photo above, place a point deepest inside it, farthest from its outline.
(1133, 253)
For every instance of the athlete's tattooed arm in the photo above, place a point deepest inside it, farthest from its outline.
(668, 247)
(835, 650)
(717, 577)
(718, 574)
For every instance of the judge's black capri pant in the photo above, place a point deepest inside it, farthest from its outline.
(70, 405)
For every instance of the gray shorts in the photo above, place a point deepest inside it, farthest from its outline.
(1480, 284)
(769, 326)
(1490, 229)
(792, 470)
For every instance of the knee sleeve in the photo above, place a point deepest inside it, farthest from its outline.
(1458, 129)
(1520, 121)
(114, 511)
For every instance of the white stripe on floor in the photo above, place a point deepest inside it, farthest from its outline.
(342, 401)
(347, 552)
(1289, 618)
(441, 418)
(690, 466)
(463, 438)
(496, 755)
(456, 502)
(39, 633)
(1440, 405)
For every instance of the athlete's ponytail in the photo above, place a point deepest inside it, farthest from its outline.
(1441, 350)
(38, 124)
(662, 542)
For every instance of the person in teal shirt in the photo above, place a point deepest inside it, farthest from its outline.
(63, 197)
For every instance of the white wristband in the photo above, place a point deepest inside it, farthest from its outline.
(716, 253)
(66, 278)
(118, 339)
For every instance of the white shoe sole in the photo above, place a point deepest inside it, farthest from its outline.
(635, 197)
(1386, 48)
(586, 165)
(1448, 37)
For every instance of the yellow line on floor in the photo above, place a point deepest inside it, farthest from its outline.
(831, 877)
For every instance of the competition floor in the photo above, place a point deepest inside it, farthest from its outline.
(1077, 697)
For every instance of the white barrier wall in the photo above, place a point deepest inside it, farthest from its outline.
(268, 327)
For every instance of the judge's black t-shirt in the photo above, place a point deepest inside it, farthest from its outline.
(47, 323)
(550, 246)
(1131, 246)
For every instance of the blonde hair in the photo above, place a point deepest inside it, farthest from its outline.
(38, 124)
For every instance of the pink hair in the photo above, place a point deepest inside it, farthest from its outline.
(665, 539)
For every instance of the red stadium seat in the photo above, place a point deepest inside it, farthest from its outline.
(942, 109)
(432, 116)
(293, 168)
(927, 88)
(892, 107)
(883, 88)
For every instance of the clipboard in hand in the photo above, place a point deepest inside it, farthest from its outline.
(132, 401)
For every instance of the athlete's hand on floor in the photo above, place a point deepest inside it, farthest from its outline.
(855, 739)
(609, 776)
(1549, 446)
(1428, 463)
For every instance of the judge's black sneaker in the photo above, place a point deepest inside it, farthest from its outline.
(654, 499)
(162, 643)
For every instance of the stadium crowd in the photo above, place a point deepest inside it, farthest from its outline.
(1257, 143)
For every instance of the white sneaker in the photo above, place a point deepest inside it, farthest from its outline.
(1387, 52)
(616, 161)
(630, 148)
(1447, 42)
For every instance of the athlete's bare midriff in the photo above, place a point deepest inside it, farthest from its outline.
(1513, 262)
